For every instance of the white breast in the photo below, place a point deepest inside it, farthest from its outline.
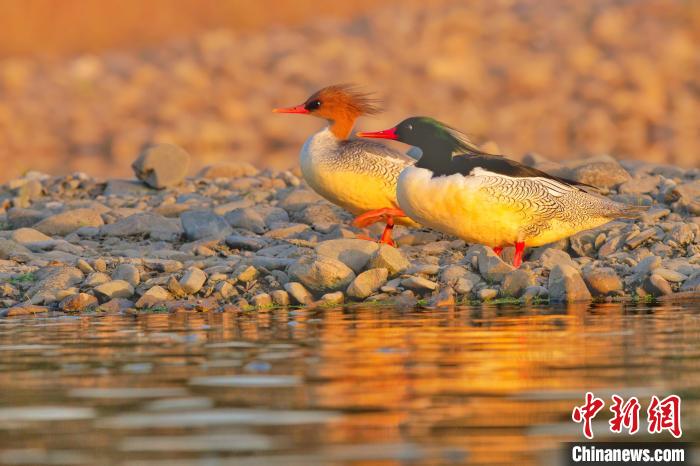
(345, 177)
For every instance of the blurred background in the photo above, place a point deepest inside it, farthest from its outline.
(84, 84)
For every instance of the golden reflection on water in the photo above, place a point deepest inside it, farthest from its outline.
(489, 385)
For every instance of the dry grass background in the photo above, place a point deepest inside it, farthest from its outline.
(84, 84)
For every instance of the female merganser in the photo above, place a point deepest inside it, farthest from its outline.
(358, 175)
(488, 199)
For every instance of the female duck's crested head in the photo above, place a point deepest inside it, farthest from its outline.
(427, 133)
(331, 101)
(340, 104)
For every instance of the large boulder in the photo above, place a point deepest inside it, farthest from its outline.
(321, 274)
(67, 222)
(355, 253)
(162, 165)
(566, 285)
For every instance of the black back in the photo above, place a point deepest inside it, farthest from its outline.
(447, 151)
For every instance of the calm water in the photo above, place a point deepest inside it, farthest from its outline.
(491, 385)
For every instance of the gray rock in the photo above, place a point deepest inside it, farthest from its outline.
(298, 199)
(640, 185)
(272, 263)
(534, 292)
(100, 264)
(293, 230)
(450, 274)
(225, 289)
(424, 269)
(200, 224)
(51, 281)
(249, 243)
(491, 267)
(418, 283)
(87, 232)
(603, 281)
(367, 283)
(610, 246)
(553, 257)
(96, 278)
(193, 280)
(229, 169)
(322, 217)
(487, 294)
(682, 234)
(390, 258)
(84, 267)
(321, 274)
(129, 273)
(162, 165)
(646, 265)
(670, 275)
(28, 235)
(280, 297)
(566, 285)
(162, 265)
(155, 295)
(114, 289)
(692, 283)
(78, 302)
(299, 293)
(332, 299)
(688, 195)
(146, 223)
(262, 300)
(355, 253)
(444, 298)
(655, 285)
(465, 285)
(636, 240)
(126, 188)
(247, 218)
(257, 219)
(602, 171)
(11, 250)
(583, 243)
(246, 273)
(516, 282)
(536, 253)
(223, 209)
(654, 214)
(19, 217)
(69, 221)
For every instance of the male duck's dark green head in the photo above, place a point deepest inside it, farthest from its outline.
(428, 134)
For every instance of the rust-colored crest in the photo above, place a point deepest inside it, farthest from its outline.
(342, 98)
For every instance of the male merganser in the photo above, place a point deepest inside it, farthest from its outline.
(488, 199)
(358, 175)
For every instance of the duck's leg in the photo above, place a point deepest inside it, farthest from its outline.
(380, 215)
(518, 257)
(386, 234)
(498, 250)
(374, 216)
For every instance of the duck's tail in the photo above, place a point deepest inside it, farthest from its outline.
(632, 211)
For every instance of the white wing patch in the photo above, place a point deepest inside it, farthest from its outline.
(554, 188)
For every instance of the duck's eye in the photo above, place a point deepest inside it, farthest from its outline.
(313, 105)
(409, 127)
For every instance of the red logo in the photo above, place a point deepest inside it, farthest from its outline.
(586, 412)
(665, 415)
(625, 415)
(662, 415)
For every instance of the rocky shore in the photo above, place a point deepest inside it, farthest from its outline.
(491, 68)
(235, 237)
